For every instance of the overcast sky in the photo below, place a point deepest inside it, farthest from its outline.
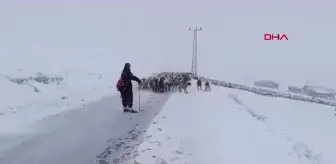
(231, 45)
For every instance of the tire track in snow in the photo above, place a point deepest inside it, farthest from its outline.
(301, 149)
(249, 110)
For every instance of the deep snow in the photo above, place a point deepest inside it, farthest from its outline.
(232, 126)
(20, 104)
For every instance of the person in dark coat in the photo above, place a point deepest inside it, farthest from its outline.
(161, 90)
(207, 86)
(127, 91)
(156, 84)
(199, 84)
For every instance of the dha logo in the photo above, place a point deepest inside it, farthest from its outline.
(275, 36)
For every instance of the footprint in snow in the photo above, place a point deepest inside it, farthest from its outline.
(158, 143)
(161, 161)
(168, 138)
(174, 159)
(147, 149)
(149, 136)
(179, 152)
(155, 122)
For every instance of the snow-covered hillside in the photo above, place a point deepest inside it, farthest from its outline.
(232, 126)
(33, 100)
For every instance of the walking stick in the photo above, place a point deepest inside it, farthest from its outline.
(139, 97)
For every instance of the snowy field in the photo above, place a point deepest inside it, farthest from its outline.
(85, 45)
(232, 126)
(81, 84)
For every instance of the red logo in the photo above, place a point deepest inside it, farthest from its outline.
(275, 37)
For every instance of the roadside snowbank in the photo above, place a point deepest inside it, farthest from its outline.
(269, 92)
(21, 102)
(308, 127)
(208, 127)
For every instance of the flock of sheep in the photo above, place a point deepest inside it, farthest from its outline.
(165, 81)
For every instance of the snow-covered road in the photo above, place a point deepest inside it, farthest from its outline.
(221, 126)
(80, 135)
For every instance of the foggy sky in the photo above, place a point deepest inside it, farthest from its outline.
(231, 45)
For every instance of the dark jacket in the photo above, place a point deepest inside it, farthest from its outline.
(127, 76)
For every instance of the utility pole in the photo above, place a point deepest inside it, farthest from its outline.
(194, 51)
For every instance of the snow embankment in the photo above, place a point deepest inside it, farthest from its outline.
(308, 127)
(28, 96)
(270, 92)
(220, 127)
